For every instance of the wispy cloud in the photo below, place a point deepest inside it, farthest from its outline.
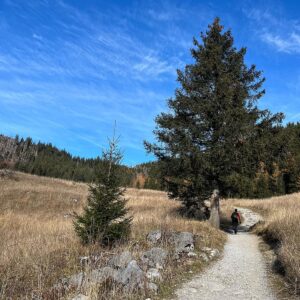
(276, 30)
(151, 65)
(37, 37)
(92, 48)
(167, 11)
(287, 44)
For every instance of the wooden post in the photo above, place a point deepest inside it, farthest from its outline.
(215, 209)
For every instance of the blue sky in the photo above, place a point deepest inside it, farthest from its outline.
(69, 69)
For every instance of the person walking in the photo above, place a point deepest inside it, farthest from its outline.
(235, 220)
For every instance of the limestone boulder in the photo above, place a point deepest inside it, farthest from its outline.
(152, 287)
(132, 277)
(77, 280)
(121, 260)
(155, 258)
(153, 275)
(102, 274)
(192, 254)
(183, 241)
(154, 237)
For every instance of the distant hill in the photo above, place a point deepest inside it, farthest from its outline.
(47, 160)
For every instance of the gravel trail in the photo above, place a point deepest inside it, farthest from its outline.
(239, 274)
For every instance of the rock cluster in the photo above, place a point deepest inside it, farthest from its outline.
(146, 272)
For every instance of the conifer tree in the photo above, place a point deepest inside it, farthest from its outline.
(214, 131)
(105, 219)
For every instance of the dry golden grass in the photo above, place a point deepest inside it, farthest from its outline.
(281, 226)
(38, 243)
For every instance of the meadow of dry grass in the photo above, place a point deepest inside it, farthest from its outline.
(38, 244)
(281, 228)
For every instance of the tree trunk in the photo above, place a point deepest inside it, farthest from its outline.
(215, 209)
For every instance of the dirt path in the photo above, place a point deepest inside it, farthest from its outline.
(239, 274)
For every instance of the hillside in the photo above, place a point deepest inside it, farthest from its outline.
(47, 160)
(38, 244)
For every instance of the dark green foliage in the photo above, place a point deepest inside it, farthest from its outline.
(214, 135)
(104, 219)
(151, 171)
(46, 160)
(262, 188)
(290, 142)
(240, 186)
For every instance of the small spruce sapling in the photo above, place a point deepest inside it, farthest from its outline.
(105, 217)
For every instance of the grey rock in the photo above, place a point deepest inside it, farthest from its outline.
(192, 254)
(211, 253)
(152, 287)
(132, 277)
(203, 257)
(153, 274)
(95, 276)
(84, 260)
(77, 280)
(155, 258)
(214, 253)
(154, 236)
(121, 260)
(183, 241)
(206, 249)
(100, 275)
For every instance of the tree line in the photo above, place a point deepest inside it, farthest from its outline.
(279, 172)
(272, 177)
(44, 159)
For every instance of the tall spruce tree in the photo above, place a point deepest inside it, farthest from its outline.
(214, 132)
(105, 217)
